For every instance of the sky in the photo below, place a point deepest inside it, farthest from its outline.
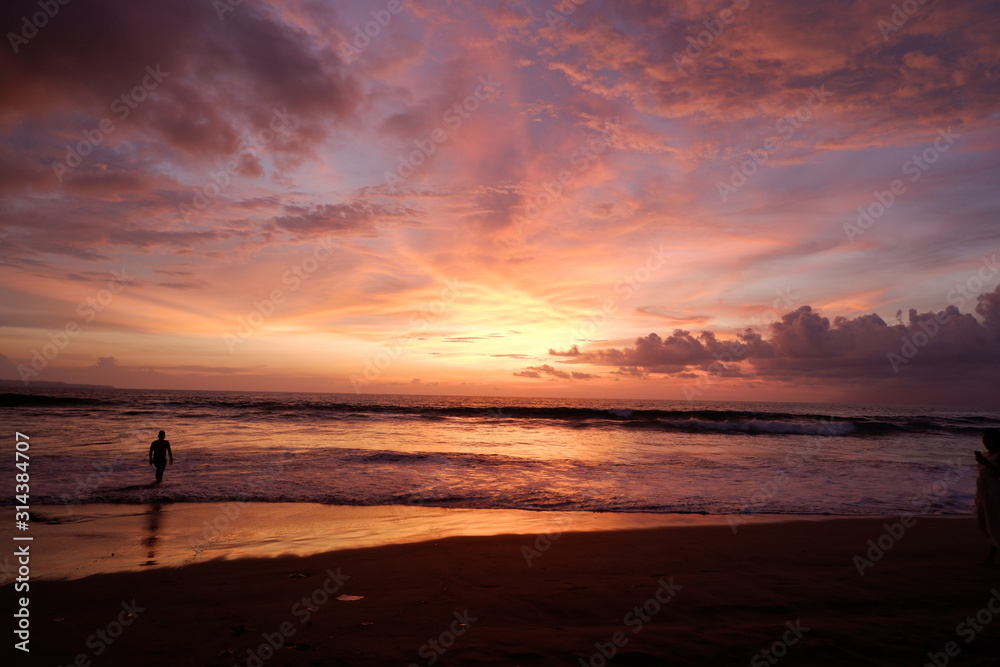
(759, 200)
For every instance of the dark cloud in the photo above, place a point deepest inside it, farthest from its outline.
(988, 307)
(630, 371)
(161, 102)
(674, 353)
(495, 206)
(805, 344)
(193, 285)
(16, 174)
(547, 370)
(768, 58)
(356, 217)
(148, 238)
(220, 78)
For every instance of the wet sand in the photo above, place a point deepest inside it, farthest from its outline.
(684, 595)
(74, 541)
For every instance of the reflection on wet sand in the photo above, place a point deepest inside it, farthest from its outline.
(153, 518)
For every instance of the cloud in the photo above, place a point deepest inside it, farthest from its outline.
(358, 217)
(672, 354)
(689, 320)
(217, 82)
(988, 307)
(537, 372)
(630, 371)
(89, 56)
(807, 345)
(769, 56)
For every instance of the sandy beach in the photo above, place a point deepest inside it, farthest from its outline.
(789, 592)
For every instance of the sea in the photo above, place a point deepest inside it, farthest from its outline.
(89, 446)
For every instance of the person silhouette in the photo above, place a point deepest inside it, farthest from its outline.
(988, 493)
(158, 451)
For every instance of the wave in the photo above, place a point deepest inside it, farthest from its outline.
(37, 400)
(759, 426)
(956, 505)
(311, 408)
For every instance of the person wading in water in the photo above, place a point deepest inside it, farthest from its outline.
(159, 449)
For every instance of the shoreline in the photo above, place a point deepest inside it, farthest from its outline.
(686, 594)
(75, 541)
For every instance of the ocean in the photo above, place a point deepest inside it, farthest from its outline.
(89, 446)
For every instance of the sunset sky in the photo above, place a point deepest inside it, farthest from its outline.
(608, 199)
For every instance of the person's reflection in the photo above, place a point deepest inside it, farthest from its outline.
(152, 528)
